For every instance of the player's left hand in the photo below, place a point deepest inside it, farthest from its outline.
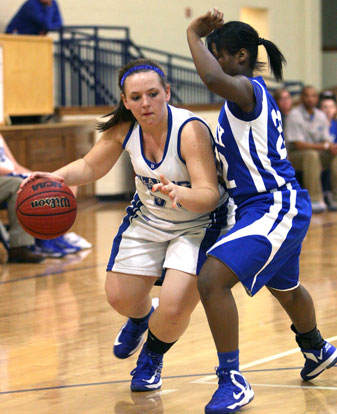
(206, 23)
(168, 188)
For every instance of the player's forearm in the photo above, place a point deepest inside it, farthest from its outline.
(78, 172)
(206, 65)
(199, 200)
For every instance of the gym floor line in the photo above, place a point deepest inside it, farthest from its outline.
(51, 273)
(92, 384)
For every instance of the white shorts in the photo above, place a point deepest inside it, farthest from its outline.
(142, 249)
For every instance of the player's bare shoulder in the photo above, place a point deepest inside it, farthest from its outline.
(195, 132)
(117, 133)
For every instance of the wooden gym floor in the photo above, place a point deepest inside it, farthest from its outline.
(57, 331)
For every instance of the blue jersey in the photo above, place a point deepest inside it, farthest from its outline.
(333, 129)
(251, 148)
(35, 18)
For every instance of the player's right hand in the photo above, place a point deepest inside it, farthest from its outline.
(206, 23)
(168, 188)
(40, 174)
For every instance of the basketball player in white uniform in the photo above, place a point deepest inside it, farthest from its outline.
(273, 212)
(178, 212)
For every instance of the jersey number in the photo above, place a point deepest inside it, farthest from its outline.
(280, 146)
(160, 202)
(222, 159)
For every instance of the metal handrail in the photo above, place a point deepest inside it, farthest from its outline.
(87, 65)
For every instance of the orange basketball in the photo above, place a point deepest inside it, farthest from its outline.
(46, 208)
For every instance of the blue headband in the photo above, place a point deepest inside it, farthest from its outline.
(149, 67)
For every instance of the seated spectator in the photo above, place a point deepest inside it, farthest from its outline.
(56, 248)
(327, 103)
(36, 17)
(311, 149)
(8, 164)
(284, 101)
(20, 242)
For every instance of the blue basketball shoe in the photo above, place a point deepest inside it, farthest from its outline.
(47, 248)
(131, 336)
(62, 244)
(146, 375)
(233, 393)
(316, 361)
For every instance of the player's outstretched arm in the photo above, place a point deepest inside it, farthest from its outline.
(94, 165)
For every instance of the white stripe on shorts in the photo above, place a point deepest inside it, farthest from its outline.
(265, 224)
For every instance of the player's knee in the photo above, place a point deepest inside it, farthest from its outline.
(173, 314)
(215, 277)
(120, 305)
(205, 285)
(115, 300)
(285, 297)
(123, 304)
(110, 297)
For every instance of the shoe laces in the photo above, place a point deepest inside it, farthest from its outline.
(223, 375)
(230, 380)
(148, 363)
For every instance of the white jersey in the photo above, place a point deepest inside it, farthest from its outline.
(156, 208)
(5, 162)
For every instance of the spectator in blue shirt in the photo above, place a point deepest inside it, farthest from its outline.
(36, 17)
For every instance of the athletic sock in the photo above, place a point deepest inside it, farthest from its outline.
(153, 344)
(309, 340)
(229, 360)
(138, 321)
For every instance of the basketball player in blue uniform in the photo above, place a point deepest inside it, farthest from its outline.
(273, 212)
(178, 212)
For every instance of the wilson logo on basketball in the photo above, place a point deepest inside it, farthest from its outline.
(46, 184)
(52, 202)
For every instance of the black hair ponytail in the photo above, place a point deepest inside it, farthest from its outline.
(235, 35)
(275, 57)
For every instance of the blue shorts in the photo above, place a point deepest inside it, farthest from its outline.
(264, 245)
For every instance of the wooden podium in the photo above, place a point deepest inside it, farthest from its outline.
(26, 76)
